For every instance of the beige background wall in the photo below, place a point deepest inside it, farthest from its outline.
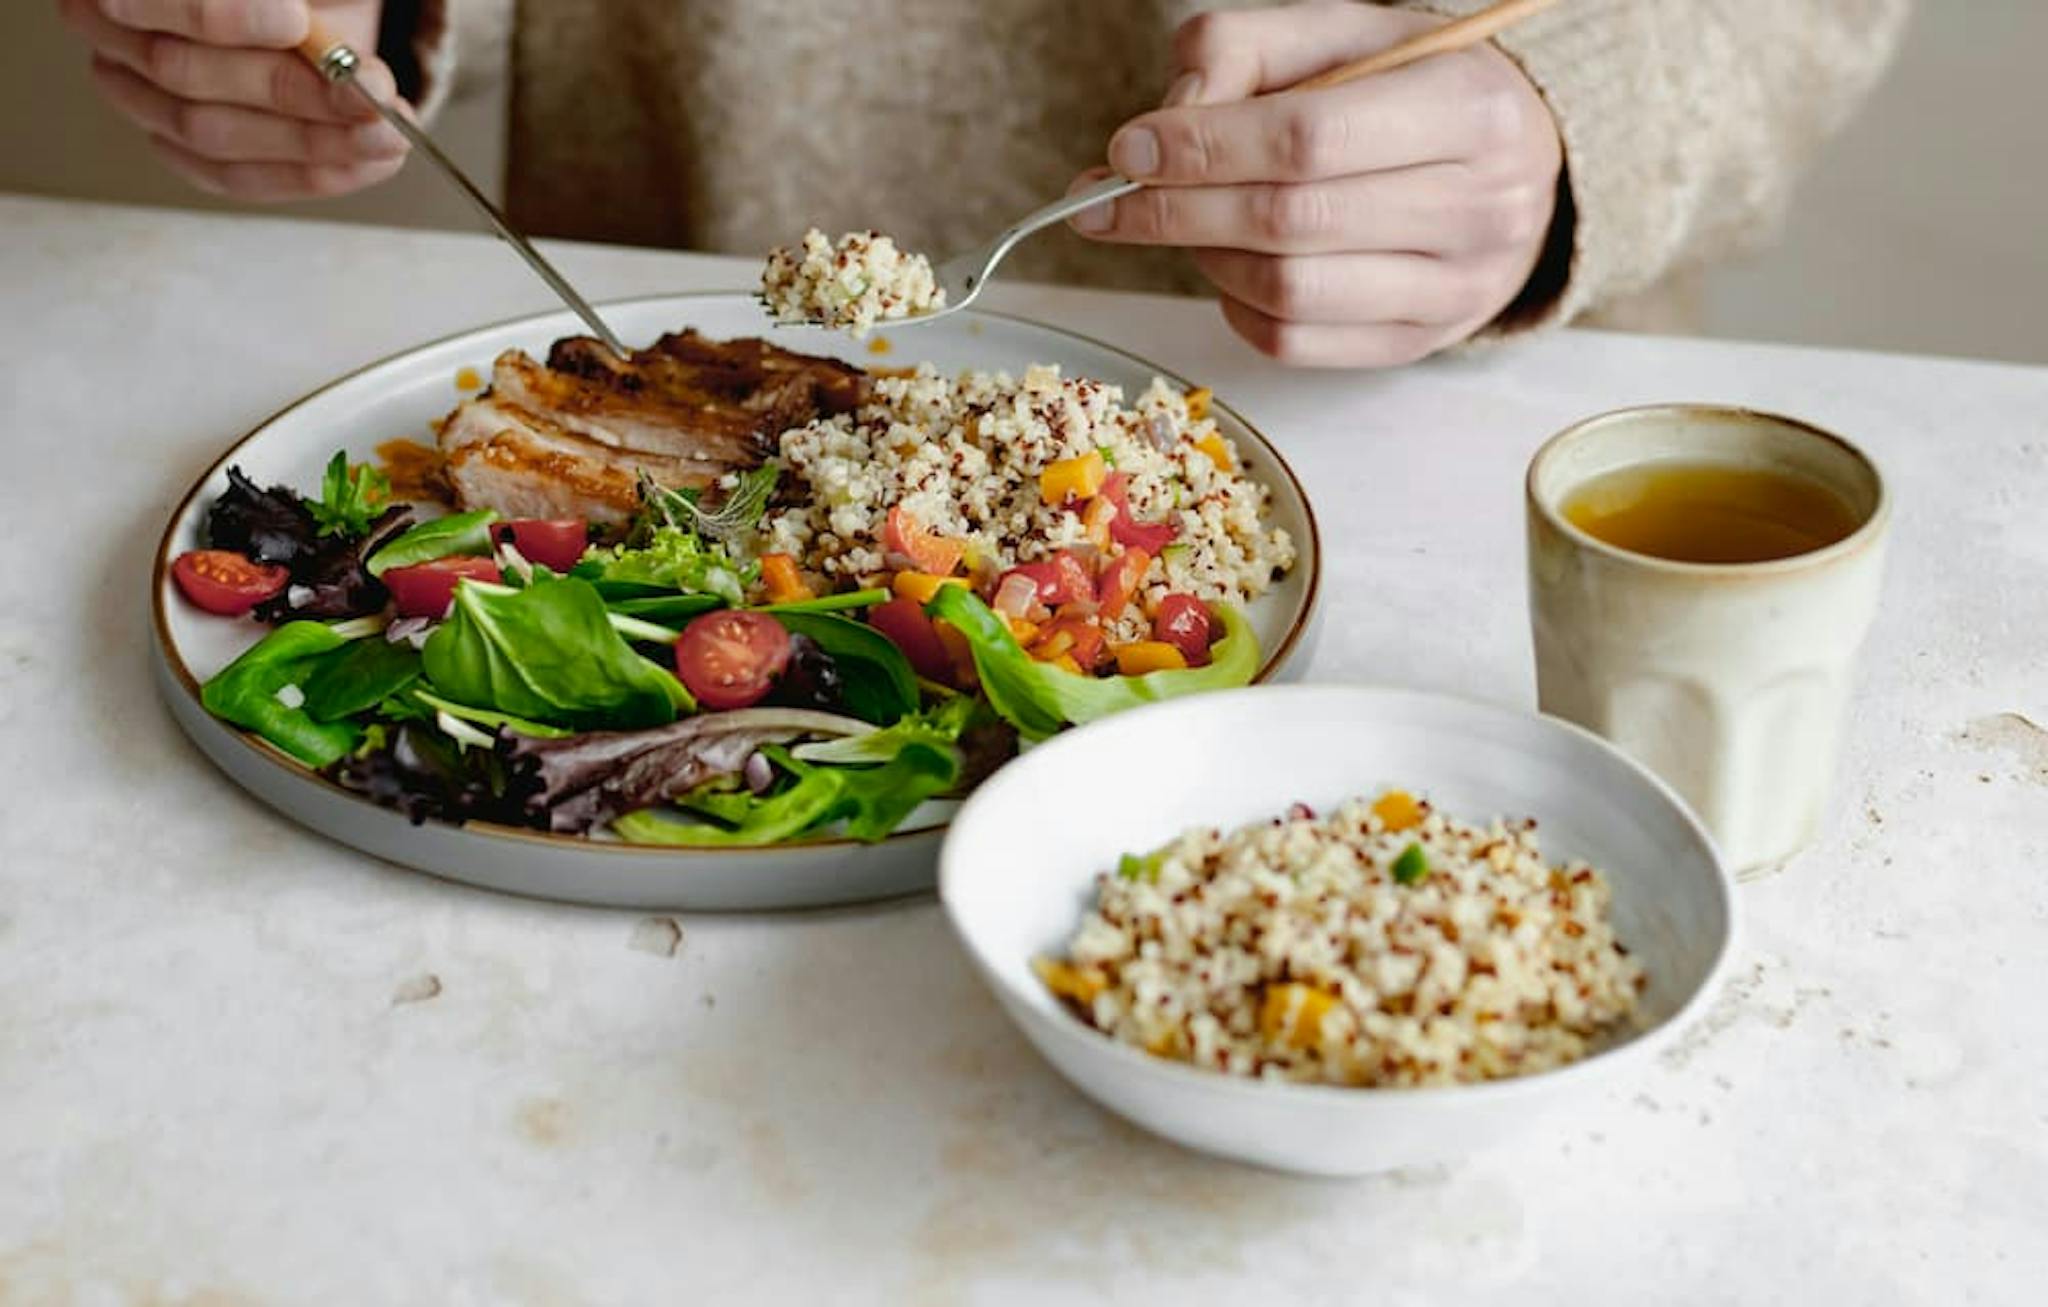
(1925, 228)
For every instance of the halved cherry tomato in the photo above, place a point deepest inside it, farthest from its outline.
(1183, 622)
(1120, 581)
(1060, 579)
(224, 582)
(730, 658)
(903, 534)
(1126, 529)
(554, 543)
(911, 631)
(1073, 637)
(426, 589)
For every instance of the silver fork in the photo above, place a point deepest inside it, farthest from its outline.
(963, 275)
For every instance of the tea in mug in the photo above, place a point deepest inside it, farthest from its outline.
(1709, 512)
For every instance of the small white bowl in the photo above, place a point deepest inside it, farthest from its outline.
(1019, 865)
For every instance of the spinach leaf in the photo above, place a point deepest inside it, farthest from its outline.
(457, 533)
(667, 609)
(876, 681)
(673, 559)
(547, 653)
(1038, 698)
(350, 497)
(872, 801)
(359, 676)
(245, 692)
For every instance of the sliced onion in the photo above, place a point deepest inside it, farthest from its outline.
(1016, 595)
(759, 773)
(1161, 429)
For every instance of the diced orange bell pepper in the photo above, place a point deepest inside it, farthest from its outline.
(1066, 663)
(785, 584)
(1198, 403)
(922, 586)
(927, 551)
(1065, 980)
(1219, 453)
(1024, 631)
(1142, 656)
(1398, 810)
(1073, 479)
(1294, 1014)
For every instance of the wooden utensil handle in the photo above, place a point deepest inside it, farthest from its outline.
(1467, 31)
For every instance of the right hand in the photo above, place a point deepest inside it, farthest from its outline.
(228, 102)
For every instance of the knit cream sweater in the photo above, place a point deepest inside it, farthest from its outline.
(733, 125)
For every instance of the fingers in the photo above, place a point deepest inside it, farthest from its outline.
(1316, 345)
(1444, 109)
(1238, 54)
(263, 24)
(272, 182)
(226, 133)
(259, 79)
(1431, 209)
(1350, 288)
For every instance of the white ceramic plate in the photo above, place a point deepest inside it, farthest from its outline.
(402, 396)
(1015, 885)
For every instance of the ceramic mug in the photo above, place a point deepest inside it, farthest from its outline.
(1729, 680)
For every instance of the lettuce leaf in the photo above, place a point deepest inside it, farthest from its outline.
(245, 692)
(1039, 698)
(457, 533)
(872, 801)
(672, 559)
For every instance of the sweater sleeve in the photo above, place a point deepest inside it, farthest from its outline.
(442, 49)
(1685, 126)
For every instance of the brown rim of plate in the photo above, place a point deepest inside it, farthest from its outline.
(161, 565)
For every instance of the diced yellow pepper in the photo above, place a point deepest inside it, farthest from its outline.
(1053, 646)
(1294, 1013)
(1073, 478)
(1142, 656)
(1198, 403)
(1025, 631)
(921, 586)
(1398, 810)
(1065, 980)
(1065, 662)
(1218, 452)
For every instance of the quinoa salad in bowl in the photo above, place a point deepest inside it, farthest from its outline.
(850, 284)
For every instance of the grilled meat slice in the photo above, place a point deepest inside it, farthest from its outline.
(619, 407)
(524, 465)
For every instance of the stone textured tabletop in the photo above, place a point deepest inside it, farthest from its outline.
(241, 1064)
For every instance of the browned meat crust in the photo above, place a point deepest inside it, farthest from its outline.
(571, 438)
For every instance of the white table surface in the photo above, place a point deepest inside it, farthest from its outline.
(241, 1064)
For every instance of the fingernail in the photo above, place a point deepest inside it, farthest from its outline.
(379, 140)
(276, 22)
(1095, 219)
(1186, 89)
(1135, 152)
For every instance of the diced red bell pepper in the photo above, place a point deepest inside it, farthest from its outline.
(1126, 529)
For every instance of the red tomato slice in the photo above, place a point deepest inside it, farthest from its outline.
(1128, 530)
(730, 658)
(903, 534)
(1183, 622)
(911, 631)
(1120, 581)
(554, 543)
(1061, 579)
(426, 589)
(224, 582)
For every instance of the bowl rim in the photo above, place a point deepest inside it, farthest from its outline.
(181, 674)
(1086, 1041)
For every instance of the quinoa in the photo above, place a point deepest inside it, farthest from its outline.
(963, 456)
(1291, 950)
(848, 286)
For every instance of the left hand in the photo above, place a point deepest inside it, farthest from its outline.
(1366, 225)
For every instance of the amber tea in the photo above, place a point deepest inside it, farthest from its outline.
(1709, 512)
